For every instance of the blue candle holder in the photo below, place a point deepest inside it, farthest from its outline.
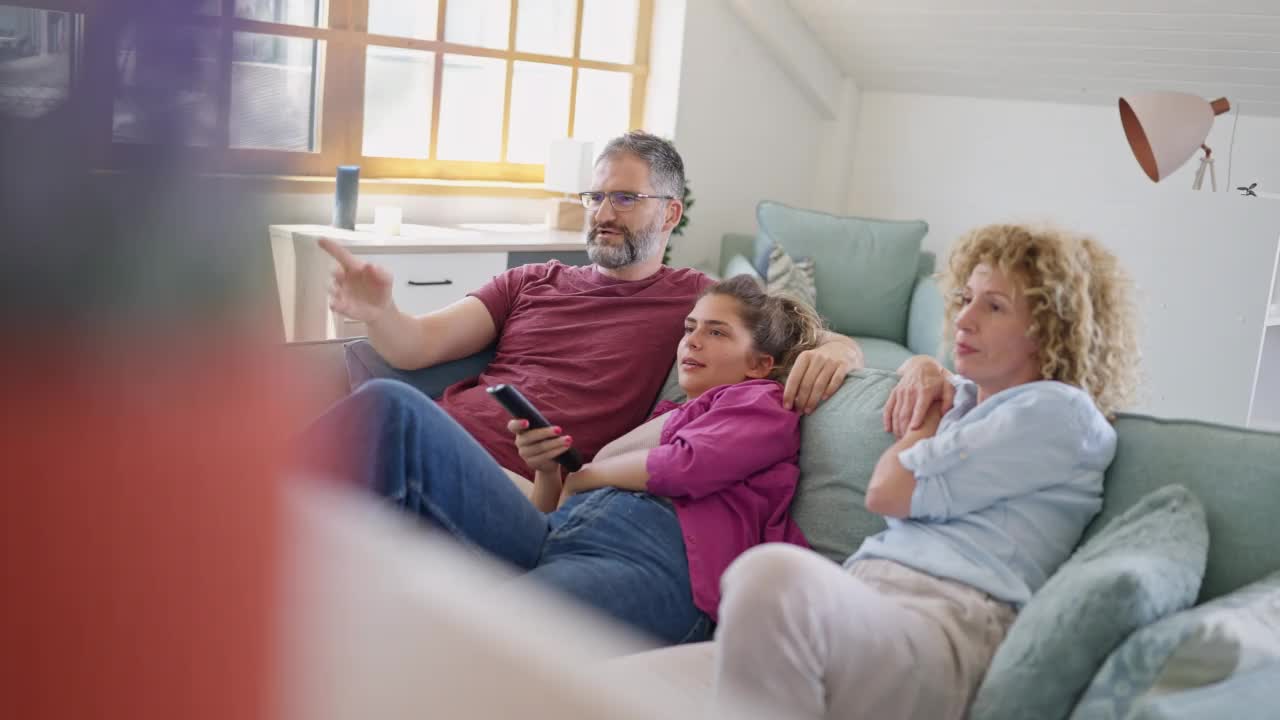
(347, 196)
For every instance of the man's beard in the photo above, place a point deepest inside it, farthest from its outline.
(635, 246)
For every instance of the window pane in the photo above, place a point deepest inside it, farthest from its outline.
(273, 82)
(539, 110)
(486, 23)
(397, 102)
(609, 30)
(291, 12)
(546, 26)
(404, 18)
(36, 48)
(159, 98)
(471, 108)
(604, 106)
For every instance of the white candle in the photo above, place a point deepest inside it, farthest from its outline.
(386, 220)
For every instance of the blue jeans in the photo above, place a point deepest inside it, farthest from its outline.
(619, 551)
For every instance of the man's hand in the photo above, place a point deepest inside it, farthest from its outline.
(818, 373)
(924, 382)
(360, 290)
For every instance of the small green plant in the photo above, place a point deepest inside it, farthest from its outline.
(680, 226)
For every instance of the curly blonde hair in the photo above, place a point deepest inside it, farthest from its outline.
(1082, 315)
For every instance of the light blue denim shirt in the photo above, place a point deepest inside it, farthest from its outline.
(1003, 490)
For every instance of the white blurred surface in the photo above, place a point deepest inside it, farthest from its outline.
(385, 620)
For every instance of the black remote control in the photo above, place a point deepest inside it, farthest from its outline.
(521, 409)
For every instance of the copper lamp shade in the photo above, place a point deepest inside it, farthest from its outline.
(1166, 128)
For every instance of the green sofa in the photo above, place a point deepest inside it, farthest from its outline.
(1233, 471)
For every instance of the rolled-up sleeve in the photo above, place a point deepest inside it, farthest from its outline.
(970, 466)
(744, 431)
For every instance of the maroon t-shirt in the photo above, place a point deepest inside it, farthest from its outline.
(590, 352)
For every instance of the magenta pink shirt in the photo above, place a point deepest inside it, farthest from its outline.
(729, 463)
(590, 352)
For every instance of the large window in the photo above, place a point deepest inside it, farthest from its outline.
(450, 89)
(38, 55)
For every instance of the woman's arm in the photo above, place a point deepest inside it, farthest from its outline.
(924, 382)
(892, 485)
(626, 472)
(819, 372)
(644, 437)
(1032, 440)
(547, 486)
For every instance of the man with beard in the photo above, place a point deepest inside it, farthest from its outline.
(589, 346)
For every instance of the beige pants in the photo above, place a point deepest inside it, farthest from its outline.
(878, 640)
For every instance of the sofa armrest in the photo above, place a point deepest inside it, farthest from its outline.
(739, 265)
(319, 369)
(734, 244)
(364, 364)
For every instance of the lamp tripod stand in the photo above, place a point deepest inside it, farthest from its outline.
(1206, 162)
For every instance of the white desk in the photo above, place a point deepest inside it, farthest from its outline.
(433, 266)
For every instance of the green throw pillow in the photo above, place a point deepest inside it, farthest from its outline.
(1207, 644)
(840, 444)
(866, 269)
(1144, 565)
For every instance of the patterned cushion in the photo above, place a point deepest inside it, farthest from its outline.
(1144, 565)
(791, 277)
(1201, 646)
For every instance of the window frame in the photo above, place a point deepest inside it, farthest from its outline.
(343, 33)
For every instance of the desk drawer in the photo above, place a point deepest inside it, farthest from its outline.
(425, 282)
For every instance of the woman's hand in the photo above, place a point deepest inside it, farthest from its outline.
(924, 382)
(539, 448)
(582, 481)
(625, 472)
(818, 373)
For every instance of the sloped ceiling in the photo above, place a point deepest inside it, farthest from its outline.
(1088, 51)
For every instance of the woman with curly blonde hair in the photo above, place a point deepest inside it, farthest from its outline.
(996, 471)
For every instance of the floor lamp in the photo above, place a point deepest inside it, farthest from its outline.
(1166, 128)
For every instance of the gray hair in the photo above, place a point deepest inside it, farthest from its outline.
(666, 169)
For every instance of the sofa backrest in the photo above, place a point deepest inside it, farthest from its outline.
(925, 318)
(925, 313)
(865, 268)
(1236, 474)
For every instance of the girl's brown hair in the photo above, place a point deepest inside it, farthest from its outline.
(781, 327)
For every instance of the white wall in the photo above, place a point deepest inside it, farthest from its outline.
(1203, 262)
(745, 130)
